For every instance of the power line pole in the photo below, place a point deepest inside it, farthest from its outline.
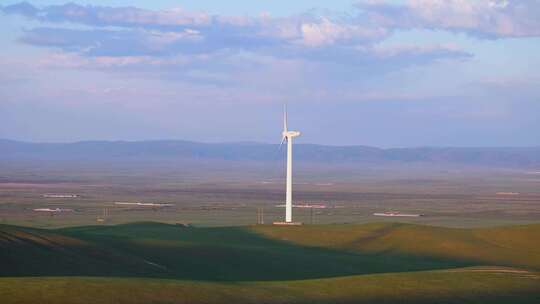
(260, 216)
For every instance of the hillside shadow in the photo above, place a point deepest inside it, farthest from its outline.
(210, 254)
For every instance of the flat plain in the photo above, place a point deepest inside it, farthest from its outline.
(209, 193)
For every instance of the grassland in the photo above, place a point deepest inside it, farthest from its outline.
(476, 244)
(372, 263)
(424, 287)
(511, 246)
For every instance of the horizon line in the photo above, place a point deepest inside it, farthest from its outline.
(260, 143)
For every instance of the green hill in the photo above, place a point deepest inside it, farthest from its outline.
(170, 251)
(509, 246)
(463, 286)
(161, 263)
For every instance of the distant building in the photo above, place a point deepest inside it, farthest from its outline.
(397, 214)
(306, 205)
(60, 195)
(56, 210)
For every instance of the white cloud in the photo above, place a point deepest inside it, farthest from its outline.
(481, 18)
(128, 37)
(238, 30)
(399, 49)
(325, 32)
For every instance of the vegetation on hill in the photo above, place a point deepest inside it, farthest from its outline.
(161, 263)
(464, 286)
(172, 251)
(509, 246)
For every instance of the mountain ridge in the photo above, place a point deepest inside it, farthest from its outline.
(253, 151)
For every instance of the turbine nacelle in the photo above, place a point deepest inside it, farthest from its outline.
(289, 134)
(286, 134)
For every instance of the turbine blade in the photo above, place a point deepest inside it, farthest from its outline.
(285, 119)
(283, 140)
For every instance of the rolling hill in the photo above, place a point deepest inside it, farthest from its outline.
(162, 263)
(464, 286)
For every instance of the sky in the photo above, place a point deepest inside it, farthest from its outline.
(401, 73)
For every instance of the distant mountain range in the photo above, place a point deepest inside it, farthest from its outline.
(175, 149)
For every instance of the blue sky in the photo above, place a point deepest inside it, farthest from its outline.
(372, 72)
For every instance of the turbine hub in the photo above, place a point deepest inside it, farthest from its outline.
(291, 134)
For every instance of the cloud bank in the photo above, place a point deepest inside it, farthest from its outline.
(102, 37)
(133, 32)
(479, 18)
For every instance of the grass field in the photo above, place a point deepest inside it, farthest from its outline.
(371, 263)
(418, 287)
(475, 244)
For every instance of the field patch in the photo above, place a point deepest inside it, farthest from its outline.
(259, 253)
(373, 263)
(417, 287)
(505, 246)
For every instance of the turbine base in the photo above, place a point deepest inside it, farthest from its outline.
(288, 223)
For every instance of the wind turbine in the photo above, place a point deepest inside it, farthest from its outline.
(287, 136)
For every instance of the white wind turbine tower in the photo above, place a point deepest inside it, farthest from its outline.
(288, 136)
